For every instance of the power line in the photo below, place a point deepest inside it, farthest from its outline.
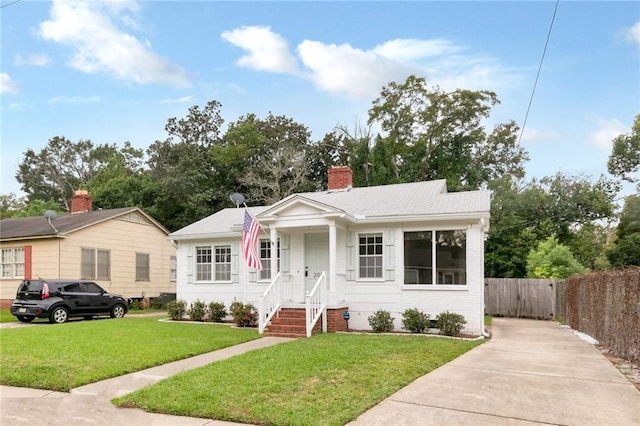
(544, 51)
(9, 4)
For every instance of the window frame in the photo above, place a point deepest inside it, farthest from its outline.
(218, 271)
(15, 266)
(436, 271)
(173, 268)
(266, 261)
(144, 269)
(214, 265)
(366, 255)
(100, 264)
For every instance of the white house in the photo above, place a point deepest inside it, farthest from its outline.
(355, 250)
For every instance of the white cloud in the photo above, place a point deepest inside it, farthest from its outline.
(536, 135)
(608, 130)
(34, 59)
(7, 85)
(345, 69)
(633, 33)
(266, 50)
(181, 100)
(100, 46)
(75, 99)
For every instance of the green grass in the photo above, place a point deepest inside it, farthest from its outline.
(488, 320)
(63, 356)
(329, 379)
(6, 316)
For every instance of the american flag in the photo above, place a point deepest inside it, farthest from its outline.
(250, 234)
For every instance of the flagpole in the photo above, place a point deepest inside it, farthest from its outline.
(261, 228)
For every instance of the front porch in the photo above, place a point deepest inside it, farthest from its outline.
(290, 321)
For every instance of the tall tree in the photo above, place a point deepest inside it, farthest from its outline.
(626, 247)
(624, 160)
(182, 168)
(552, 260)
(435, 134)
(57, 170)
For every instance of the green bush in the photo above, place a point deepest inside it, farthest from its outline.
(217, 311)
(451, 324)
(155, 303)
(177, 309)
(197, 310)
(381, 321)
(244, 315)
(415, 321)
(136, 305)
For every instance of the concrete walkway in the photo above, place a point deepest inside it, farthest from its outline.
(530, 372)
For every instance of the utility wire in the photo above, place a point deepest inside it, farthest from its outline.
(9, 4)
(544, 51)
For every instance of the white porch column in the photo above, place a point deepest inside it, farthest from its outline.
(333, 243)
(274, 251)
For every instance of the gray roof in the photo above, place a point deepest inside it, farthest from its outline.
(416, 200)
(38, 226)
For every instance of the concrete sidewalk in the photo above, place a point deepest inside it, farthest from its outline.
(90, 404)
(530, 372)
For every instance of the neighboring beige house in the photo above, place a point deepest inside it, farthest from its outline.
(124, 250)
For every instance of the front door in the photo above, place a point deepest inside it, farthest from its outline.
(316, 255)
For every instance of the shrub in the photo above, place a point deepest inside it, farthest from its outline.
(415, 321)
(176, 309)
(155, 303)
(217, 311)
(381, 321)
(197, 310)
(450, 323)
(136, 305)
(244, 315)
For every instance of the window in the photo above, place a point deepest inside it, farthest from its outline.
(370, 255)
(12, 262)
(265, 258)
(173, 272)
(203, 264)
(446, 249)
(223, 263)
(95, 264)
(142, 267)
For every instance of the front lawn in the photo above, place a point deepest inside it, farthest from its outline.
(6, 316)
(64, 356)
(329, 379)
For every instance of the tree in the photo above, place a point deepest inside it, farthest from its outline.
(10, 205)
(182, 169)
(626, 248)
(333, 150)
(552, 260)
(278, 166)
(433, 134)
(57, 170)
(624, 160)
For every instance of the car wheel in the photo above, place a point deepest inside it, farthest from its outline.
(117, 311)
(22, 318)
(59, 315)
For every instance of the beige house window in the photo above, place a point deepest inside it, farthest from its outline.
(142, 267)
(95, 264)
(12, 262)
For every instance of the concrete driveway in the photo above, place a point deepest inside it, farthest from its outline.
(530, 372)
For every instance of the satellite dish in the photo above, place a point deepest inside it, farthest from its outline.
(237, 198)
(50, 214)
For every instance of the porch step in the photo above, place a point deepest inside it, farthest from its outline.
(290, 322)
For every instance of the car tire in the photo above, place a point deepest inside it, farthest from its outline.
(118, 311)
(59, 315)
(22, 318)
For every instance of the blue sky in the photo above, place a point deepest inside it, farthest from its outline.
(116, 71)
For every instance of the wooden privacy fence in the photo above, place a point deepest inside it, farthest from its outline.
(520, 297)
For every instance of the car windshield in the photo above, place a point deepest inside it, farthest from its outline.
(30, 286)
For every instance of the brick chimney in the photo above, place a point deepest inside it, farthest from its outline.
(81, 202)
(340, 177)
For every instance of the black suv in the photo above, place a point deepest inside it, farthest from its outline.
(60, 300)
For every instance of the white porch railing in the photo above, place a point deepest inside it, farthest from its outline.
(316, 304)
(271, 299)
